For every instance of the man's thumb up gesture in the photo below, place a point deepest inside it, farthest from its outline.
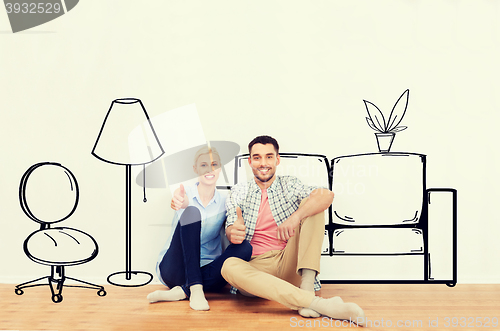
(237, 230)
(180, 199)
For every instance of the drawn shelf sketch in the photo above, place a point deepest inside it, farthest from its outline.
(113, 145)
(385, 225)
(49, 194)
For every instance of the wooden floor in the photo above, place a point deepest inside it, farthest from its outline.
(387, 307)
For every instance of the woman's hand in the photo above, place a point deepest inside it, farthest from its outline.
(180, 199)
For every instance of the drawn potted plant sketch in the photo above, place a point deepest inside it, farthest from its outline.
(387, 128)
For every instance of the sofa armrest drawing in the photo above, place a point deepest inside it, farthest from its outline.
(442, 239)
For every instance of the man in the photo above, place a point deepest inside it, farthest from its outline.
(284, 222)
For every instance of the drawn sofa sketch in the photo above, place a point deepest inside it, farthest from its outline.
(49, 194)
(384, 225)
(384, 215)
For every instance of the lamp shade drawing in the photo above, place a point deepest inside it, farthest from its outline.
(113, 146)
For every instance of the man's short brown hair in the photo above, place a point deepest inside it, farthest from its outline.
(264, 140)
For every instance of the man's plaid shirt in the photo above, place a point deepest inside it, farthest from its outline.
(285, 195)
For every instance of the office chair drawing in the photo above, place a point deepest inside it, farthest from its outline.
(48, 194)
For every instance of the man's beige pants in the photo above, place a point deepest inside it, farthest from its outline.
(275, 275)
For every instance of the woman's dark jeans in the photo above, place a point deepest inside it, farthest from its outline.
(180, 265)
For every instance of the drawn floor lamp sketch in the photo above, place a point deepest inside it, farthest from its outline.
(49, 194)
(385, 225)
(113, 146)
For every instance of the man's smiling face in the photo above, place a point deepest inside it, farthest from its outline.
(263, 160)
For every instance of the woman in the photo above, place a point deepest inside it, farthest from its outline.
(191, 261)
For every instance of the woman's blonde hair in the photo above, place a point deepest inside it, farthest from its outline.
(206, 150)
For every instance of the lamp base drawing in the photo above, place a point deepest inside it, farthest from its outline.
(130, 278)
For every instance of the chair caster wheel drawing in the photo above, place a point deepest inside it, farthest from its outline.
(57, 298)
(19, 291)
(101, 293)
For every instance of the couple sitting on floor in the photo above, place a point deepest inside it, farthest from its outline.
(275, 225)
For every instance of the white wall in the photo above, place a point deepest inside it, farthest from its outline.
(296, 70)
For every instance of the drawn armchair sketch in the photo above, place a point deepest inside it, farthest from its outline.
(48, 194)
(384, 225)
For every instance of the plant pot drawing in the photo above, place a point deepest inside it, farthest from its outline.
(384, 141)
(387, 126)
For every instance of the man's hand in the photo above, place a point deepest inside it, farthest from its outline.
(180, 199)
(237, 230)
(287, 229)
(318, 201)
